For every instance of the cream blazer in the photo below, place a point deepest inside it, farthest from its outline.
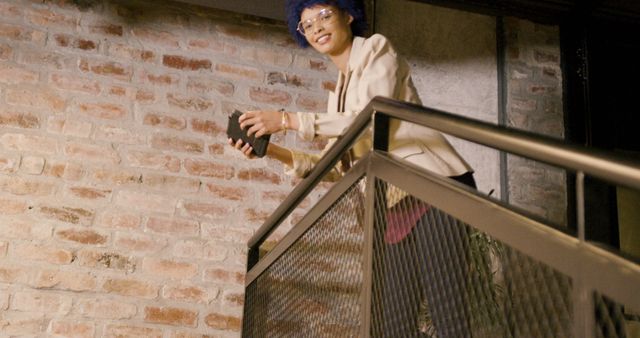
(375, 69)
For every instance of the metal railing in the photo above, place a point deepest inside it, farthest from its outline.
(584, 275)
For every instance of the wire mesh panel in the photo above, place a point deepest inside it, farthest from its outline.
(434, 276)
(313, 289)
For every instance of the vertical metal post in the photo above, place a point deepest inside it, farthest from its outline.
(583, 303)
(367, 254)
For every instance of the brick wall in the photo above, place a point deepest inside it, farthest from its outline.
(122, 210)
(534, 103)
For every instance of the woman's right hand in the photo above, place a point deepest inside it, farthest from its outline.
(245, 148)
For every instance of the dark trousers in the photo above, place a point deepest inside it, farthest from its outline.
(427, 267)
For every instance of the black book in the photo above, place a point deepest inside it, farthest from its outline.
(235, 132)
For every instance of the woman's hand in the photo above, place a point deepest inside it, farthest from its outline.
(261, 122)
(245, 148)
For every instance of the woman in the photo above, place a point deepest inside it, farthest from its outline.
(368, 67)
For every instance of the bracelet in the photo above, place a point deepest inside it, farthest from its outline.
(284, 122)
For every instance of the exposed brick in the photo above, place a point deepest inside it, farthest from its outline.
(3, 252)
(131, 288)
(165, 121)
(128, 52)
(162, 79)
(118, 135)
(12, 74)
(21, 33)
(144, 96)
(203, 210)
(210, 85)
(270, 96)
(9, 163)
(25, 228)
(47, 59)
(145, 201)
(106, 28)
(12, 206)
(207, 127)
(35, 97)
(214, 251)
(208, 169)
(112, 69)
(311, 103)
(23, 324)
(183, 63)
(193, 104)
(75, 83)
(232, 193)
(223, 322)
(107, 309)
(67, 171)
(238, 31)
(139, 243)
(258, 216)
(268, 56)
(26, 186)
(173, 226)
(224, 276)
(289, 80)
(170, 316)
(6, 52)
(109, 111)
(19, 120)
(116, 176)
(68, 214)
(239, 72)
(217, 148)
(29, 143)
(72, 328)
(82, 236)
(546, 57)
(32, 165)
(36, 301)
(186, 293)
(68, 126)
(8, 10)
(233, 298)
(235, 235)
(93, 153)
(175, 143)
(65, 40)
(153, 160)
(185, 334)
(64, 280)
(188, 248)
(108, 260)
(165, 39)
(49, 18)
(131, 331)
(206, 45)
(260, 175)
(169, 268)
(119, 220)
(329, 85)
(13, 275)
(89, 193)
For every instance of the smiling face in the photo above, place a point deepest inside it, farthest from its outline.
(327, 29)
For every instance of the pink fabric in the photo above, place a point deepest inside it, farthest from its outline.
(402, 218)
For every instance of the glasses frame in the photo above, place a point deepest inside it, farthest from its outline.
(318, 18)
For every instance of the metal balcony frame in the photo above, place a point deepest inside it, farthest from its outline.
(590, 267)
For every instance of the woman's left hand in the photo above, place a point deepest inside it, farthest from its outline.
(245, 148)
(261, 122)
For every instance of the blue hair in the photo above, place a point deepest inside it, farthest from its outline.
(355, 8)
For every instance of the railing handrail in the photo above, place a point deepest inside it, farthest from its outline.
(607, 166)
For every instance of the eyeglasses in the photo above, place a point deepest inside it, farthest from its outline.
(325, 16)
